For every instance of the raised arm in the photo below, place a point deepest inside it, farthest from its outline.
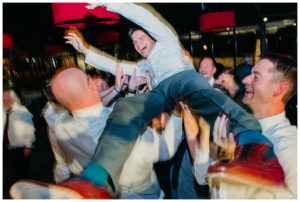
(146, 17)
(97, 58)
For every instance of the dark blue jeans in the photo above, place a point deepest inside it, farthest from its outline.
(131, 116)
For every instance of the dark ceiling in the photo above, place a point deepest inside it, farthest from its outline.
(32, 25)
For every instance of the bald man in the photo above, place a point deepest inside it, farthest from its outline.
(75, 138)
(74, 90)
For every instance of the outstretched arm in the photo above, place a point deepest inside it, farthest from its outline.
(197, 135)
(98, 58)
(116, 89)
(75, 38)
(146, 17)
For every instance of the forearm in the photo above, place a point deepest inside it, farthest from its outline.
(107, 63)
(201, 164)
(106, 92)
(101, 60)
(110, 96)
(146, 17)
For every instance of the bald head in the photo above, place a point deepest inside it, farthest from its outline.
(74, 90)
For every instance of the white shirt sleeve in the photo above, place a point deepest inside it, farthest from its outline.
(21, 131)
(201, 164)
(108, 63)
(162, 147)
(61, 171)
(29, 130)
(146, 17)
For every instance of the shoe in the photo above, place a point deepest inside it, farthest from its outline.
(254, 164)
(74, 188)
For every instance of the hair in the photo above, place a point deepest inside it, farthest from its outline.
(133, 29)
(222, 89)
(12, 94)
(231, 71)
(209, 57)
(285, 68)
(48, 92)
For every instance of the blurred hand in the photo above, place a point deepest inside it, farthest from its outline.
(77, 43)
(136, 81)
(190, 124)
(226, 144)
(120, 78)
(197, 134)
(164, 118)
(178, 109)
(142, 91)
(148, 80)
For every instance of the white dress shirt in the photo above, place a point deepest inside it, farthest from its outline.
(283, 135)
(75, 138)
(20, 127)
(211, 81)
(284, 138)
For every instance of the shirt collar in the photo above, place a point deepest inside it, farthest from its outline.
(269, 122)
(211, 81)
(94, 110)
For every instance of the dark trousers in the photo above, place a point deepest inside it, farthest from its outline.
(183, 184)
(131, 115)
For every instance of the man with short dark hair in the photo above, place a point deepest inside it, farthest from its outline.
(208, 68)
(268, 88)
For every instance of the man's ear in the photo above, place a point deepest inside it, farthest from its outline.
(92, 84)
(282, 87)
(215, 69)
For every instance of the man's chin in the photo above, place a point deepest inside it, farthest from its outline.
(245, 101)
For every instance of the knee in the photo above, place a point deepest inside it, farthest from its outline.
(123, 104)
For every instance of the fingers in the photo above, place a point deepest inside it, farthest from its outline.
(216, 129)
(72, 36)
(231, 140)
(144, 89)
(181, 105)
(220, 131)
(74, 40)
(222, 125)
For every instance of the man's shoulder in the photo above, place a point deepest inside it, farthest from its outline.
(21, 110)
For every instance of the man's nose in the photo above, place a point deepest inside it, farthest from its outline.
(247, 80)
